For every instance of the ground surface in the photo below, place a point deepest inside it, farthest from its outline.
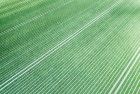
(70, 47)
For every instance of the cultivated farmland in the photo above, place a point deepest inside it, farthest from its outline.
(70, 47)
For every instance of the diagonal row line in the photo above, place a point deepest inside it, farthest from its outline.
(85, 81)
(137, 85)
(112, 75)
(118, 73)
(132, 78)
(59, 24)
(125, 77)
(36, 62)
(36, 45)
(13, 5)
(125, 72)
(70, 68)
(54, 85)
(76, 75)
(110, 78)
(89, 91)
(57, 77)
(59, 61)
(33, 19)
(53, 65)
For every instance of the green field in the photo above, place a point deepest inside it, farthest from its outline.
(70, 47)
